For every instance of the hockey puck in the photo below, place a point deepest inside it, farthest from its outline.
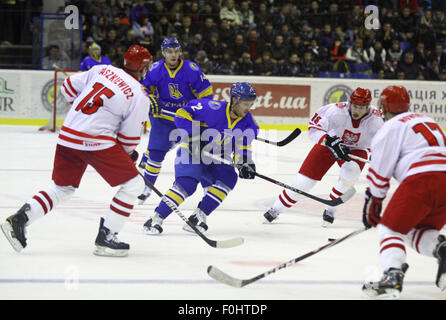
(331, 239)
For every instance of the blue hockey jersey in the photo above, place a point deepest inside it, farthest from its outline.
(175, 88)
(89, 62)
(217, 127)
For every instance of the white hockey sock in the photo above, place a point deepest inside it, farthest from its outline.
(44, 201)
(122, 204)
(392, 248)
(288, 198)
(424, 240)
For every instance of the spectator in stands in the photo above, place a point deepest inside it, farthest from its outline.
(214, 48)
(386, 35)
(130, 39)
(208, 28)
(427, 19)
(110, 40)
(297, 45)
(137, 10)
(308, 67)
(230, 13)
(405, 25)
(378, 57)
(394, 53)
(306, 33)
(227, 33)
(315, 16)
(207, 11)
(54, 59)
(410, 69)
(121, 27)
(98, 30)
(425, 35)
(412, 5)
(268, 34)
(336, 17)
(227, 65)
(439, 25)
(247, 15)
(355, 18)
(279, 50)
(261, 15)
(356, 53)
(340, 35)
(286, 32)
(186, 30)
(163, 29)
(101, 8)
(202, 60)
(239, 47)
(143, 29)
(440, 56)
(292, 67)
(326, 37)
(121, 8)
(266, 67)
(158, 11)
(195, 45)
(420, 56)
(176, 14)
(245, 66)
(256, 44)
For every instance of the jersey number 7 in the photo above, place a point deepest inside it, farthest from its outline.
(98, 90)
(426, 129)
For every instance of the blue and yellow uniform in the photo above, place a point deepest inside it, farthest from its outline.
(174, 89)
(90, 62)
(224, 137)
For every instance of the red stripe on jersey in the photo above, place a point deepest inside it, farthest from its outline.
(127, 144)
(76, 141)
(71, 86)
(84, 135)
(321, 139)
(434, 155)
(122, 204)
(42, 204)
(127, 138)
(426, 163)
(68, 92)
(283, 201)
(378, 176)
(47, 197)
(120, 212)
(377, 185)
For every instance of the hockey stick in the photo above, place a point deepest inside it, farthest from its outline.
(223, 277)
(351, 156)
(296, 132)
(213, 243)
(334, 202)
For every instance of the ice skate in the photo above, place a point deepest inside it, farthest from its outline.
(14, 228)
(146, 194)
(271, 215)
(153, 225)
(327, 218)
(440, 254)
(389, 287)
(107, 244)
(198, 219)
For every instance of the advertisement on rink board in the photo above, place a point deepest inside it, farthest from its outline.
(26, 96)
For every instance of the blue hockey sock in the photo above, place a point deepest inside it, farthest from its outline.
(153, 164)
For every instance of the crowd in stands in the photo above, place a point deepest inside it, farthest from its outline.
(278, 37)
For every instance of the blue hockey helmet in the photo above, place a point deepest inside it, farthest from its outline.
(243, 91)
(170, 43)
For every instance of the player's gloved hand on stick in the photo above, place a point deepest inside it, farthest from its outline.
(155, 107)
(337, 147)
(134, 156)
(371, 214)
(246, 169)
(196, 145)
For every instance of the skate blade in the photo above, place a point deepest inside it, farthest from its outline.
(107, 252)
(388, 294)
(151, 231)
(189, 229)
(8, 231)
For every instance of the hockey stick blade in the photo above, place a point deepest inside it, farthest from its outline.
(229, 243)
(224, 278)
(296, 132)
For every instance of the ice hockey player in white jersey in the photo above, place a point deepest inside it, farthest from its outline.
(102, 129)
(338, 129)
(411, 148)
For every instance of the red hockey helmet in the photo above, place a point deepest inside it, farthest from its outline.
(137, 58)
(394, 99)
(361, 97)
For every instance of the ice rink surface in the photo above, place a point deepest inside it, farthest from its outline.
(59, 262)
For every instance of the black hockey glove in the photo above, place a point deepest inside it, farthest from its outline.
(338, 148)
(246, 169)
(196, 145)
(134, 156)
(371, 213)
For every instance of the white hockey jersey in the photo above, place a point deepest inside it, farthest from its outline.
(407, 144)
(109, 106)
(335, 120)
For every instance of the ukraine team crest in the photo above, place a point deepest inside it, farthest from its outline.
(174, 91)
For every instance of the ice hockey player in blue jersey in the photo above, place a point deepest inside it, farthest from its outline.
(223, 129)
(174, 82)
(94, 58)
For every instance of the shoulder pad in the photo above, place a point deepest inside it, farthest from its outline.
(194, 66)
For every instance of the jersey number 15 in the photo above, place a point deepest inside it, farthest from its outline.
(98, 90)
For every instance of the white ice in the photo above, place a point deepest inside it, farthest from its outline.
(59, 262)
